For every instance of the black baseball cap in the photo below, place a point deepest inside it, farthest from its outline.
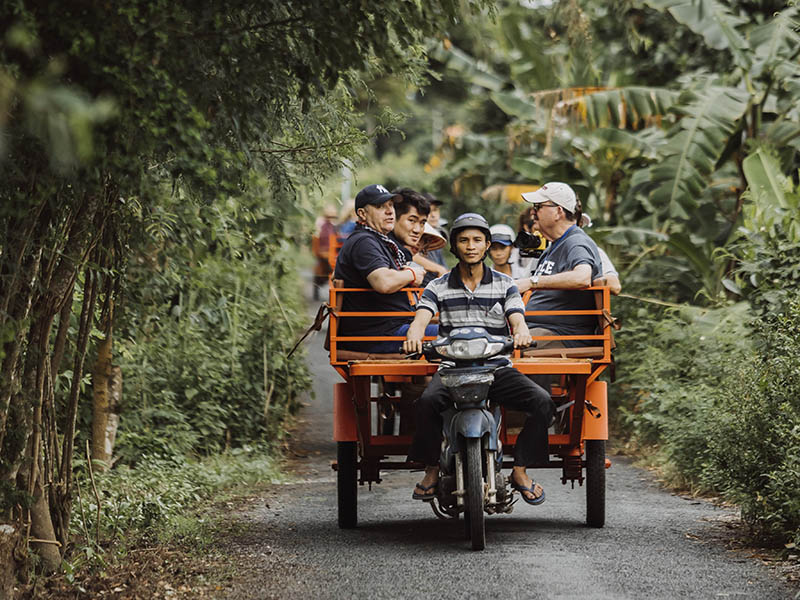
(433, 199)
(374, 194)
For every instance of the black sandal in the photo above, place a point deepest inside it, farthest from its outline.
(424, 497)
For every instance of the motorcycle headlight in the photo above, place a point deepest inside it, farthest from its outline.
(470, 349)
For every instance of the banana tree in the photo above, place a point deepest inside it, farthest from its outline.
(676, 161)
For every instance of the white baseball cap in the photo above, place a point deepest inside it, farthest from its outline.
(586, 220)
(555, 192)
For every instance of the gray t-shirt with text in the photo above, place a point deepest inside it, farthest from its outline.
(564, 254)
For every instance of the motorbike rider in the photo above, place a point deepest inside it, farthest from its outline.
(475, 295)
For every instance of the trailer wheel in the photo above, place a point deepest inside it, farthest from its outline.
(474, 484)
(595, 483)
(347, 484)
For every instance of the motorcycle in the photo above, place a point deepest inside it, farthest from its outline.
(470, 481)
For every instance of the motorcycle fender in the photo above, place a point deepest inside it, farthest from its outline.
(344, 414)
(474, 424)
(595, 426)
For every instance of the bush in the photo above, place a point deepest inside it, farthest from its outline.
(754, 455)
(151, 500)
(207, 320)
(719, 399)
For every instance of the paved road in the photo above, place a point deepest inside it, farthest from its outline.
(654, 545)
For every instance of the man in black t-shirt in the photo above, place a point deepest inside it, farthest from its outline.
(570, 263)
(369, 258)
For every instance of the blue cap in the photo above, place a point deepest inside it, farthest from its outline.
(502, 234)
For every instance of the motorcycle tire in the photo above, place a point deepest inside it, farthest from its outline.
(347, 484)
(595, 483)
(474, 483)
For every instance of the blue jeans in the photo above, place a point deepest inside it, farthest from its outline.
(397, 347)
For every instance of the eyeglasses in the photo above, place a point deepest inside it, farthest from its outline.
(536, 207)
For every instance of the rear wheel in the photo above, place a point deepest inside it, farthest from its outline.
(347, 484)
(474, 485)
(595, 483)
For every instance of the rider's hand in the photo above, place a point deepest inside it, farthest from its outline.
(522, 339)
(413, 344)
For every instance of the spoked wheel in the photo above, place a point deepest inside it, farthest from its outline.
(474, 515)
(595, 483)
(347, 484)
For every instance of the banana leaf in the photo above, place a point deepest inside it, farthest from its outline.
(708, 117)
(774, 40)
(474, 71)
(765, 179)
(713, 21)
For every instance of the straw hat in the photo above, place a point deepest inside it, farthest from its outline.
(431, 239)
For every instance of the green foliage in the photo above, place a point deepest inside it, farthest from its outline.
(768, 249)
(218, 296)
(770, 272)
(711, 19)
(663, 149)
(709, 116)
(717, 395)
(150, 501)
(753, 454)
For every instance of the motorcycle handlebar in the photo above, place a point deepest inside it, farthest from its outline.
(427, 352)
(430, 354)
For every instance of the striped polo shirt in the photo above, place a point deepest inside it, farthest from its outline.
(495, 298)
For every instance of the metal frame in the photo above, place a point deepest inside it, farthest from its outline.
(578, 375)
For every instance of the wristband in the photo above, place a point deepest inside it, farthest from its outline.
(413, 274)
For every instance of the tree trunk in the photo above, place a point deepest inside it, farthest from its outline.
(103, 424)
(48, 549)
(20, 311)
(103, 452)
(9, 538)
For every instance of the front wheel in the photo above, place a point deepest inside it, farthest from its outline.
(595, 483)
(474, 485)
(347, 484)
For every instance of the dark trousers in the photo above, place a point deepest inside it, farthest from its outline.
(510, 389)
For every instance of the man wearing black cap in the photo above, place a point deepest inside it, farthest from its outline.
(370, 258)
(437, 256)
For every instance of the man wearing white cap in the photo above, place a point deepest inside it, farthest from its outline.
(571, 262)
